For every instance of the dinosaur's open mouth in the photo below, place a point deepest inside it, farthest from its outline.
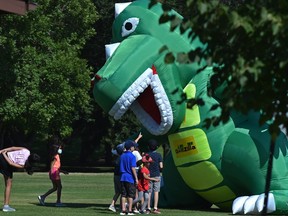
(148, 104)
(147, 99)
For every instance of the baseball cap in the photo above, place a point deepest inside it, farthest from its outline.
(129, 144)
(119, 149)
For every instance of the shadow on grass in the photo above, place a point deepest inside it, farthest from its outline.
(103, 208)
(212, 209)
(100, 208)
(73, 205)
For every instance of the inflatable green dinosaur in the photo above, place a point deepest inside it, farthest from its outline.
(224, 165)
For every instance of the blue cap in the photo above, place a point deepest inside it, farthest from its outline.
(120, 148)
(129, 144)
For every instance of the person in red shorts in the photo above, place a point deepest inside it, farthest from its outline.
(144, 183)
(54, 174)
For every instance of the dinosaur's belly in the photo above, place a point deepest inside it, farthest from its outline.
(191, 153)
(192, 156)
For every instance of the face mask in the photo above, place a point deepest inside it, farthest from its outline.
(59, 151)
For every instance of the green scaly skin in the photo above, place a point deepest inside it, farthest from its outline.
(203, 166)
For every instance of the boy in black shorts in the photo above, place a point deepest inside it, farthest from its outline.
(128, 178)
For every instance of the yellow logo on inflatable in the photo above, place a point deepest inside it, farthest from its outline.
(189, 146)
(184, 147)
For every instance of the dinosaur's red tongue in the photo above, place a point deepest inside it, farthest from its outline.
(147, 102)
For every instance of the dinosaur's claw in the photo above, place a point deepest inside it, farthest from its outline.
(253, 204)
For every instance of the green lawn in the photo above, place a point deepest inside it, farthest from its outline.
(83, 193)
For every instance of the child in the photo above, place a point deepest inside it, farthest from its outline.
(54, 175)
(144, 183)
(129, 178)
(11, 158)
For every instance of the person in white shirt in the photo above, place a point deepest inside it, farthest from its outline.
(11, 158)
(138, 157)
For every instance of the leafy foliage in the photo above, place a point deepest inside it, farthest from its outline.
(44, 82)
(103, 133)
(247, 40)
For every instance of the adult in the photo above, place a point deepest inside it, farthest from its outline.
(10, 159)
(128, 178)
(117, 183)
(155, 172)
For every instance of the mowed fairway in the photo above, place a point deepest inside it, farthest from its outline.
(83, 194)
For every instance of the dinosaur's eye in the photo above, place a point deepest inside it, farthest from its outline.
(129, 26)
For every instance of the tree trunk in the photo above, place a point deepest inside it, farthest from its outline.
(268, 176)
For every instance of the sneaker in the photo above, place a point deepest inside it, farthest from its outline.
(122, 213)
(136, 211)
(60, 204)
(131, 213)
(148, 211)
(41, 201)
(112, 208)
(7, 208)
(156, 211)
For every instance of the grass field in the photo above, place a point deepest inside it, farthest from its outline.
(83, 194)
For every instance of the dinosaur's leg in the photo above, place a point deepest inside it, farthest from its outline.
(244, 166)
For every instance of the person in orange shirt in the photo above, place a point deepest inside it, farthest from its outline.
(144, 183)
(54, 174)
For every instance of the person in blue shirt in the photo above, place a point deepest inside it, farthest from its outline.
(128, 178)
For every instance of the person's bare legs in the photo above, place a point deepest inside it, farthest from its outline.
(7, 191)
(130, 203)
(113, 203)
(156, 198)
(123, 205)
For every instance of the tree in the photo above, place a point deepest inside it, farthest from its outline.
(102, 133)
(44, 84)
(247, 40)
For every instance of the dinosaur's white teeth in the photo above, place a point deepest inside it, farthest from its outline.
(123, 103)
(128, 100)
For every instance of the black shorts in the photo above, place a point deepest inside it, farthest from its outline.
(128, 189)
(5, 168)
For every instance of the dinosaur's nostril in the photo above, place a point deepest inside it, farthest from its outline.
(97, 77)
